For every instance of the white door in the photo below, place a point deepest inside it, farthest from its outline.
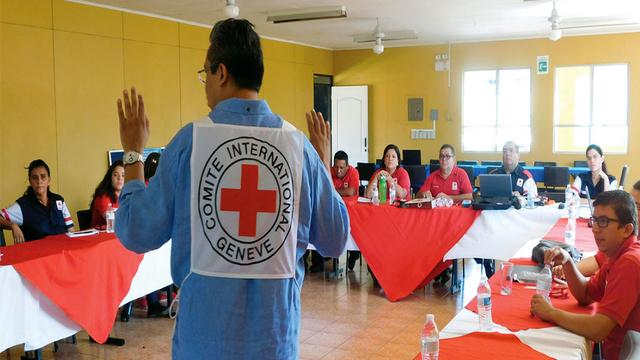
(350, 122)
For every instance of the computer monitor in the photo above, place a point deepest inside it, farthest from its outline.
(495, 185)
(556, 176)
(411, 157)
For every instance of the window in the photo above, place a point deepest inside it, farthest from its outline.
(591, 107)
(496, 108)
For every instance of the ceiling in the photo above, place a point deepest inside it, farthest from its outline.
(435, 21)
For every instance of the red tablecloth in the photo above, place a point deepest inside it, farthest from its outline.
(584, 236)
(512, 311)
(485, 345)
(87, 277)
(404, 246)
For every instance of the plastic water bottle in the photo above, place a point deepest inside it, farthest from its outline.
(382, 190)
(375, 199)
(543, 285)
(110, 216)
(570, 231)
(392, 192)
(430, 339)
(531, 202)
(484, 304)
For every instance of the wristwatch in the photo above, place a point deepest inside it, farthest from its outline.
(131, 157)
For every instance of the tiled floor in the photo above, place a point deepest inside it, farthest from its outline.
(341, 319)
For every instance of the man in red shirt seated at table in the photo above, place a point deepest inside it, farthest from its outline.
(346, 180)
(615, 287)
(449, 181)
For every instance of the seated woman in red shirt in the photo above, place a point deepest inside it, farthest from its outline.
(392, 172)
(449, 181)
(107, 194)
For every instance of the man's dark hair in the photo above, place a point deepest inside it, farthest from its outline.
(341, 155)
(622, 204)
(234, 43)
(637, 185)
(447, 146)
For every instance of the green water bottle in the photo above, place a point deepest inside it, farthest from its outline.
(382, 190)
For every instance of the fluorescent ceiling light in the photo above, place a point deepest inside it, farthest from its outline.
(325, 12)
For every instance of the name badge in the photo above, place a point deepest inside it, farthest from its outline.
(454, 186)
(59, 204)
(519, 182)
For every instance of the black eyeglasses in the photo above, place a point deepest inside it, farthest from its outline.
(602, 221)
(443, 157)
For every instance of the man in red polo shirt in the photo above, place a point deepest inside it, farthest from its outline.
(615, 287)
(449, 181)
(346, 180)
(345, 177)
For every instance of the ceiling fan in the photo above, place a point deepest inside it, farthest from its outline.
(558, 25)
(378, 35)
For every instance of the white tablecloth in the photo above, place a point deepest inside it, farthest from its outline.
(499, 234)
(27, 316)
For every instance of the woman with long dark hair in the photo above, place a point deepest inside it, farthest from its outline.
(106, 194)
(598, 179)
(39, 212)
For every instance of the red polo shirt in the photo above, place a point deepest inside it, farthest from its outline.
(350, 180)
(455, 184)
(402, 177)
(616, 288)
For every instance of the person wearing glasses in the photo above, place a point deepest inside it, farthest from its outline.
(393, 173)
(39, 212)
(598, 179)
(240, 193)
(615, 287)
(449, 181)
(522, 182)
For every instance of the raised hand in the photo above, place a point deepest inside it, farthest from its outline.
(134, 124)
(320, 136)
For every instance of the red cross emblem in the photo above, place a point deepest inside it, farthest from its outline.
(248, 200)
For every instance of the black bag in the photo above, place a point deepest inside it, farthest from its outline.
(537, 254)
(488, 204)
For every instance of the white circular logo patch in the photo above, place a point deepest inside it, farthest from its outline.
(245, 200)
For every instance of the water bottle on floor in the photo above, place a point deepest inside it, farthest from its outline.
(430, 339)
(110, 216)
(543, 285)
(484, 303)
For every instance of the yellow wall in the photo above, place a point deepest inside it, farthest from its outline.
(62, 66)
(401, 73)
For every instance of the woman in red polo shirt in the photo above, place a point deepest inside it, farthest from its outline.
(107, 194)
(449, 181)
(393, 172)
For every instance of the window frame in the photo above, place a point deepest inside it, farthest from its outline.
(498, 147)
(590, 125)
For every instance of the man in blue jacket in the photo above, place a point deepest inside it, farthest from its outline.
(241, 193)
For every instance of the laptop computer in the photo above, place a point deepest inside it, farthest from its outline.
(495, 190)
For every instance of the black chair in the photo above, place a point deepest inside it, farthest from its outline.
(434, 162)
(522, 163)
(467, 162)
(580, 163)
(365, 172)
(411, 157)
(469, 171)
(84, 219)
(491, 162)
(545, 163)
(623, 176)
(417, 175)
(433, 167)
(556, 179)
(2, 242)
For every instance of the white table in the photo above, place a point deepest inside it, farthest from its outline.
(27, 316)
